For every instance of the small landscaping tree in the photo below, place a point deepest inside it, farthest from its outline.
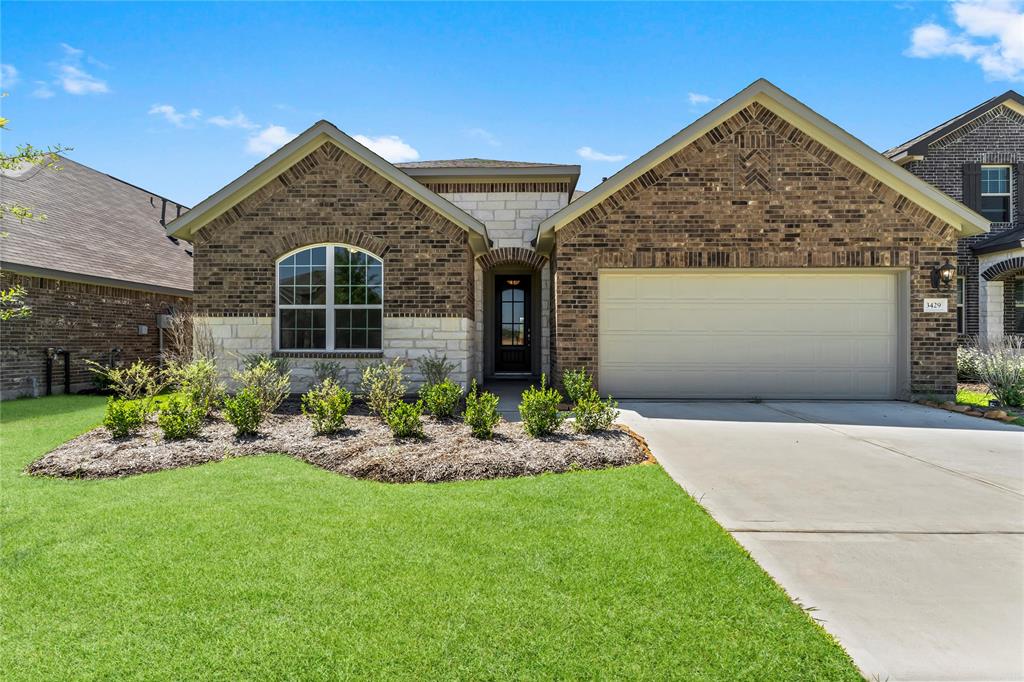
(481, 415)
(539, 409)
(326, 405)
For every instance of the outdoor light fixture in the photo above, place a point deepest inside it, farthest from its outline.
(943, 275)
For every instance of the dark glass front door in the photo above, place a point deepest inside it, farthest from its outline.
(512, 323)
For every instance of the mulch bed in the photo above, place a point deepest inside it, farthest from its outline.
(365, 449)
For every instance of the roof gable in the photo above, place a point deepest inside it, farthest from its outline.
(285, 157)
(799, 116)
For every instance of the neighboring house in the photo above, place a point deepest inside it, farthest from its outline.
(978, 158)
(98, 270)
(761, 252)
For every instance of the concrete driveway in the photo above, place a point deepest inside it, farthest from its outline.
(902, 526)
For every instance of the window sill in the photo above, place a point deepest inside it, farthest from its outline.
(327, 354)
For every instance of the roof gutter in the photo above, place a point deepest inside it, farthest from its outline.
(47, 273)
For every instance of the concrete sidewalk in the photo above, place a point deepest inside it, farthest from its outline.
(901, 525)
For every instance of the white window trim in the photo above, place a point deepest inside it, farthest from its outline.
(1009, 187)
(329, 305)
(961, 304)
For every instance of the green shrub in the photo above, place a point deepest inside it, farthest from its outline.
(539, 409)
(244, 411)
(434, 368)
(197, 380)
(325, 405)
(404, 419)
(181, 417)
(1001, 368)
(593, 414)
(967, 363)
(266, 381)
(283, 365)
(441, 399)
(139, 381)
(123, 417)
(322, 371)
(577, 383)
(481, 415)
(382, 384)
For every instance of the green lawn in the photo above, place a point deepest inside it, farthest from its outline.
(270, 568)
(977, 398)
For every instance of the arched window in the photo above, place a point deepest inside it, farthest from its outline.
(330, 297)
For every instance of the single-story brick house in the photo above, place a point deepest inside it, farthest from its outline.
(978, 157)
(761, 252)
(99, 270)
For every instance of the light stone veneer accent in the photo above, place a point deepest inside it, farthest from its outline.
(404, 337)
(511, 217)
(990, 295)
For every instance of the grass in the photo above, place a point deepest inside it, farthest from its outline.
(966, 396)
(267, 567)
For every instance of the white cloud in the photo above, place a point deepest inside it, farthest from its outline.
(8, 75)
(483, 135)
(43, 90)
(74, 79)
(239, 120)
(697, 99)
(591, 154)
(173, 116)
(391, 147)
(988, 32)
(268, 140)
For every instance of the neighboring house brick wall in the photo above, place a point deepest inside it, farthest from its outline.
(755, 192)
(329, 196)
(87, 319)
(994, 138)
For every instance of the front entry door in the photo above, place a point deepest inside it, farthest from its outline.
(512, 323)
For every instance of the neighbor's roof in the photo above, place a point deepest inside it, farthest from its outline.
(473, 163)
(97, 229)
(1004, 241)
(800, 116)
(305, 143)
(918, 146)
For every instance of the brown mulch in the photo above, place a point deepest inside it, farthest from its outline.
(365, 449)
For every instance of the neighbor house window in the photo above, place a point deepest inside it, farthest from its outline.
(995, 193)
(330, 297)
(960, 296)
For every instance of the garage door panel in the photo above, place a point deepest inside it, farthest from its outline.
(757, 334)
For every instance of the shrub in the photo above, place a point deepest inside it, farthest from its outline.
(123, 417)
(967, 363)
(382, 384)
(441, 399)
(539, 409)
(244, 411)
(577, 383)
(1001, 368)
(434, 368)
(198, 381)
(139, 381)
(593, 414)
(481, 415)
(404, 419)
(253, 360)
(326, 405)
(267, 383)
(181, 417)
(322, 371)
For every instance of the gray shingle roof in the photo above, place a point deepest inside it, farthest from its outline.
(96, 226)
(473, 163)
(1005, 241)
(919, 144)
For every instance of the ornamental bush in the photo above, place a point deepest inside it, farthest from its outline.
(139, 382)
(441, 399)
(198, 381)
(244, 411)
(577, 383)
(382, 384)
(267, 382)
(481, 415)
(1001, 368)
(539, 409)
(593, 414)
(181, 417)
(434, 368)
(967, 363)
(326, 405)
(404, 419)
(124, 418)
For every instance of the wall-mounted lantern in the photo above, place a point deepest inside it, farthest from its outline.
(943, 275)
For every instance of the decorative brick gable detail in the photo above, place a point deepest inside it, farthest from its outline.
(755, 192)
(329, 196)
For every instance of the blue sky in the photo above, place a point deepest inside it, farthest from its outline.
(182, 98)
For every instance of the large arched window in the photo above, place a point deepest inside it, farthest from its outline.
(330, 297)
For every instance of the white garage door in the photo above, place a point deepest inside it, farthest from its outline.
(753, 334)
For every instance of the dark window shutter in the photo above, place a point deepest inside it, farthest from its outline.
(1018, 197)
(972, 185)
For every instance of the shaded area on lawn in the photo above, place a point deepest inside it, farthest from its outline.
(269, 568)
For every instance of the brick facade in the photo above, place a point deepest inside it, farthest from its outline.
(755, 192)
(330, 196)
(87, 319)
(996, 137)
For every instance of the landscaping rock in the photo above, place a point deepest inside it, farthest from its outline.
(995, 414)
(959, 408)
(975, 413)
